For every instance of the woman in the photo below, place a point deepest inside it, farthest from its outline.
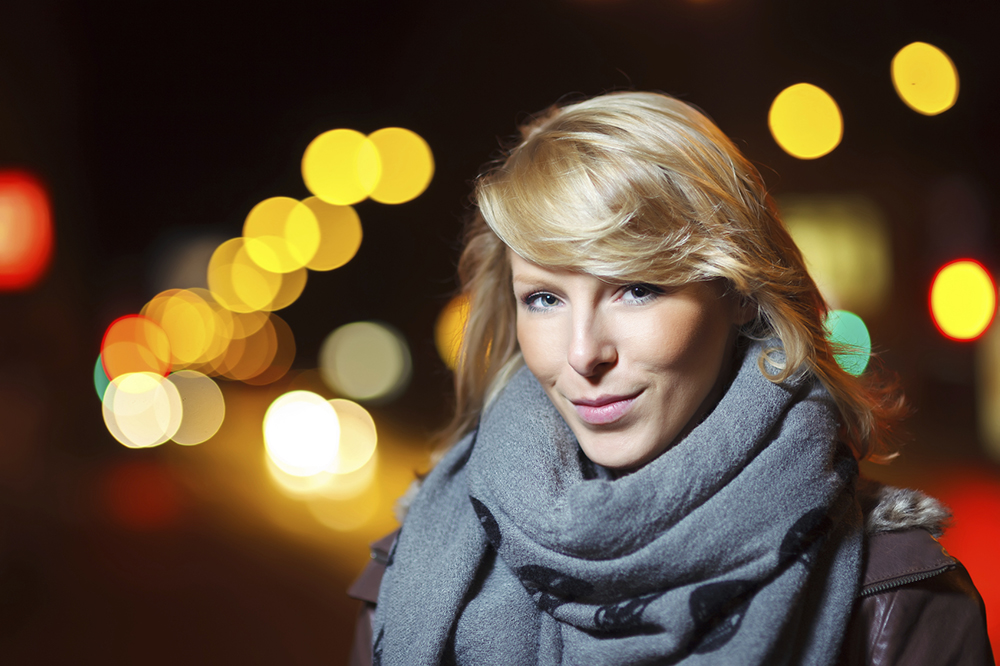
(656, 457)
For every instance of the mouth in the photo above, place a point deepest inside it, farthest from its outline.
(605, 409)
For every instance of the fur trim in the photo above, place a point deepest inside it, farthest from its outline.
(889, 509)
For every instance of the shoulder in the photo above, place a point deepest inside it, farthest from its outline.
(365, 588)
(917, 603)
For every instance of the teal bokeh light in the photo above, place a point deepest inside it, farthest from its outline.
(852, 343)
(101, 380)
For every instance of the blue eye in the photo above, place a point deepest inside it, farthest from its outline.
(541, 301)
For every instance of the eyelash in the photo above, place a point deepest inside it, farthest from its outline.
(652, 292)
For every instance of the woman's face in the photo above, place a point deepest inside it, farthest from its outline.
(630, 368)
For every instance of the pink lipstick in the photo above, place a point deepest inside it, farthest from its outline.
(604, 410)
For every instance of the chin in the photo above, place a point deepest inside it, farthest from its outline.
(615, 456)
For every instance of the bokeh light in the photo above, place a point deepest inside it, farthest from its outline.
(135, 343)
(973, 495)
(341, 167)
(407, 165)
(449, 329)
(805, 121)
(988, 390)
(358, 437)
(142, 409)
(237, 282)
(292, 286)
(852, 344)
(925, 78)
(26, 231)
(281, 234)
(283, 356)
(365, 361)
(963, 299)
(188, 322)
(181, 261)
(101, 379)
(340, 234)
(301, 433)
(846, 244)
(202, 404)
(255, 350)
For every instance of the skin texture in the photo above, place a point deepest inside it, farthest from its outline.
(631, 368)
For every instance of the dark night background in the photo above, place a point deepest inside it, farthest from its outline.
(153, 122)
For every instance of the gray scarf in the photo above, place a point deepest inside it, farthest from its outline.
(739, 545)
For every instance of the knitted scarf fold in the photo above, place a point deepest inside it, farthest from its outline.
(741, 544)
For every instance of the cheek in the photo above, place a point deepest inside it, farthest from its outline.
(538, 351)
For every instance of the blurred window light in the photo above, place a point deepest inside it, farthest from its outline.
(963, 299)
(134, 343)
(26, 231)
(805, 121)
(366, 361)
(203, 407)
(407, 165)
(340, 234)
(449, 329)
(846, 245)
(301, 433)
(851, 342)
(101, 379)
(925, 78)
(142, 409)
(281, 234)
(988, 390)
(341, 167)
(357, 437)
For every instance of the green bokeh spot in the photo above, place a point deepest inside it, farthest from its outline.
(852, 343)
(101, 380)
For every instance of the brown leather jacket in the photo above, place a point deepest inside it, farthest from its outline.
(917, 606)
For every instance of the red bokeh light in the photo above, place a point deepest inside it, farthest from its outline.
(135, 343)
(26, 234)
(974, 498)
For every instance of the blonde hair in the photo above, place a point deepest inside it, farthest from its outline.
(642, 187)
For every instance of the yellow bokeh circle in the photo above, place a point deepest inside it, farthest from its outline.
(925, 78)
(963, 299)
(301, 433)
(341, 167)
(805, 121)
(407, 165)
(340, 234)
(281, 234)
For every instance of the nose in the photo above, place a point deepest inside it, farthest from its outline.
(592, 349)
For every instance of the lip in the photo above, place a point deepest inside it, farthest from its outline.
(604, 409)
